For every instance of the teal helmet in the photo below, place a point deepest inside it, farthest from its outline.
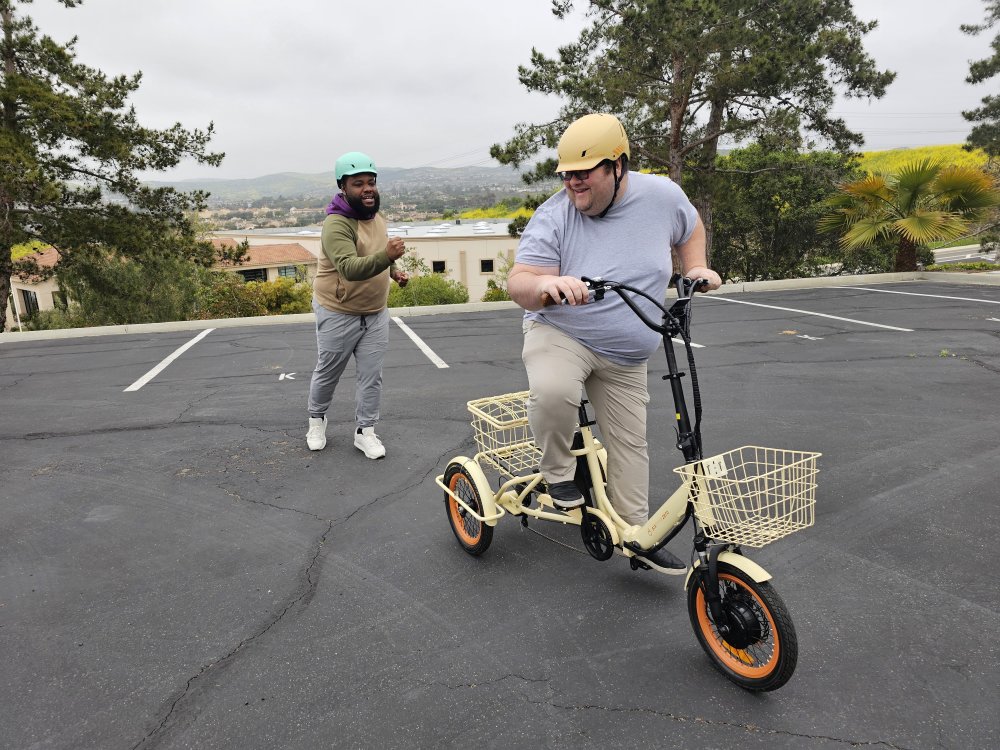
(353, 162)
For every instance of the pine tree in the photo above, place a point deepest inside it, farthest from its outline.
(986, 131)
(681, 74)
(71, 150)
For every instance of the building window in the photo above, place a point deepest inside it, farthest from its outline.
(288, 271)
(437, 266)
(254, 274)
(30, 301)
(486, 266)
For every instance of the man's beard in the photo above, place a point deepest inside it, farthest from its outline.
(361, 209)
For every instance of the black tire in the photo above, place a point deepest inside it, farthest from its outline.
(764, 648)
(474, 535)
(596, 537)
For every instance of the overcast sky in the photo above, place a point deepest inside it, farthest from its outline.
(290, 84)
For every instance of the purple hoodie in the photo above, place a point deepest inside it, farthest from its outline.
(341, 207)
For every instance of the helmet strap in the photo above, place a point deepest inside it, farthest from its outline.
(618, 181)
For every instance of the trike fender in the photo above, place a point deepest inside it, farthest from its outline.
(748, 566)
(475, 473)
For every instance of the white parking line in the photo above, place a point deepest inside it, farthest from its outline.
(807, 312)
(917, 294)
(680, 342)
(166, 362)
(420, 344)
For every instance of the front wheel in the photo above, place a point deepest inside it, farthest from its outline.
(760, 649)
(474, 535)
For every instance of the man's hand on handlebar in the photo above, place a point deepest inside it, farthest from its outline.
(566, 290)
(696, 273)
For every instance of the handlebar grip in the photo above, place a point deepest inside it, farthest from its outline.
(685, 286)
(591, 284)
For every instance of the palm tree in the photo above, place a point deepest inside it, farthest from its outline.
(923, 202)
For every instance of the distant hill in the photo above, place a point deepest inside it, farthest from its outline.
(313, 187)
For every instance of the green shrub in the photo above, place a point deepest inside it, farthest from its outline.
(112, 288)
(225, 294)
(495, 292)
(49, 320)
(434, 289)
(284, 295)
(977, 266)
(925, 256)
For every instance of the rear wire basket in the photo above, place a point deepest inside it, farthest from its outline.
(753, 496)
(504, 439)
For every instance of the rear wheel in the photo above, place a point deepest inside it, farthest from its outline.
(474, 535)
(760, 649)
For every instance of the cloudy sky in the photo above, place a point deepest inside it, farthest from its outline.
(290, 84)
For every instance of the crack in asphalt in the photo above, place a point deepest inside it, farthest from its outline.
(418, 481)
(985, 365)
(14, 381)
(496, 681)
(234, 494)
(749, 728)
(175, 709)
(176, 422)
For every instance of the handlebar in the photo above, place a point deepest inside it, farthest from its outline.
(676, 322)
(675, 317)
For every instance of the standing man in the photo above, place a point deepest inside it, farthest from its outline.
(619, 225)
(349, 298)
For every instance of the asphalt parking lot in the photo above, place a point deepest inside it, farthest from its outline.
(177, 570)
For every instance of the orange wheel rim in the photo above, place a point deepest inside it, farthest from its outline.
(752, 663)
(469, 530)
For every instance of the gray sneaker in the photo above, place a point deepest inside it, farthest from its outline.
(316, 437)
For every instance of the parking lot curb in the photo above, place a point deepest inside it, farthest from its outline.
(945, 277)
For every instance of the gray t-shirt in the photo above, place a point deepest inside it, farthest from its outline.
(631, 244)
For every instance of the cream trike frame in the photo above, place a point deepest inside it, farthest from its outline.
(750, 496)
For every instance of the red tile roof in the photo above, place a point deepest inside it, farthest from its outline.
(282, 254)
(46, 258)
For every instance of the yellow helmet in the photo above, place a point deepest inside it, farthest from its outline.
(589, 141)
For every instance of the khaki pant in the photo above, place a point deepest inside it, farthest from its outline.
(559, 368)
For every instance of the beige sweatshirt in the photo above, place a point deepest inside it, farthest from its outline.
(353, 273)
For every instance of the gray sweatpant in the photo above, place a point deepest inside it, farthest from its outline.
(338, 337)
(559, 368)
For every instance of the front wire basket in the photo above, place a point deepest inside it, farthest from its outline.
(753, 496)
(504, 439)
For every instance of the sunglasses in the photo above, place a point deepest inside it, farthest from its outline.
(580, 174)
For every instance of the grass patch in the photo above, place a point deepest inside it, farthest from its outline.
(977, 266)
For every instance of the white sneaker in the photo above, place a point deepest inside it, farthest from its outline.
(316, 437)
(367, 441)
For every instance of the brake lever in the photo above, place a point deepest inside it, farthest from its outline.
(596, 285)
(686, 287)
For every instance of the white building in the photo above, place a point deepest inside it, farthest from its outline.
(465, 250)
(30, 293)
(266, 261)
